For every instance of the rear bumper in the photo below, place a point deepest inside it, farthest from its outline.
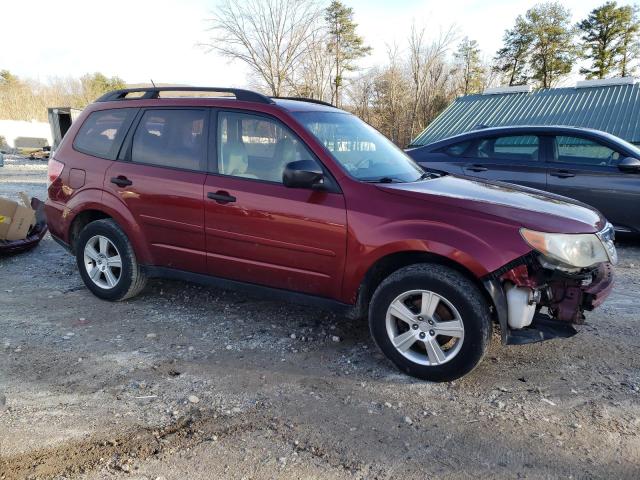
(37, 232)
(57, 218)
(62, 243)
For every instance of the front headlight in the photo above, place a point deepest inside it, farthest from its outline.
(577, 250)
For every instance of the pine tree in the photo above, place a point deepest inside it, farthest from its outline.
(96, 84)
(469, 66)
(344, 44)
(511, 60)
(552, 49)
(7, 78)
(603, 35)
(630, 42)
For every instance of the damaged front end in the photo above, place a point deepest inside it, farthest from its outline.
(541, 296)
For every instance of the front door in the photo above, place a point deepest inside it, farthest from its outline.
(588, 171)
(161, 181)
(258, 230)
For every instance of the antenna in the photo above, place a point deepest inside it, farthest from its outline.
(154, 85)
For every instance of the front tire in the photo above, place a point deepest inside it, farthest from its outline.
(431, 321)
(107, 262)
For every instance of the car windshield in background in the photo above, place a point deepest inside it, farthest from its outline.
(364, 152)
(634, 150)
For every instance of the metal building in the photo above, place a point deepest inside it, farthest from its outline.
(60, 120)
(611, 105)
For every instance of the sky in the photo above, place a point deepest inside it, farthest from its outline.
(139, 40)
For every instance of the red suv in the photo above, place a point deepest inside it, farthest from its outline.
(306, 202)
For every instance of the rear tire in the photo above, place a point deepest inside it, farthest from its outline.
(431, 321)
(107, 262)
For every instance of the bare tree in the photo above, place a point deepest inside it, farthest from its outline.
(422, 60)
(270, 36)
(313, 80)
(360, 94)
(391, 103)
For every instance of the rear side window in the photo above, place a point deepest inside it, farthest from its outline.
(170, 138)
(512, 147)
(102, 132)
(585, 152)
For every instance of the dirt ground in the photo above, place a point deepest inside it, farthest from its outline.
(186, 382)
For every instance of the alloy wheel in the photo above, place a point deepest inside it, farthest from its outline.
(425, 327)
(103, 262)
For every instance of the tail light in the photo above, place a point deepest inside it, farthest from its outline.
(55, 170)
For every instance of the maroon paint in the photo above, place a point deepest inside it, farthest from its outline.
(315, 242)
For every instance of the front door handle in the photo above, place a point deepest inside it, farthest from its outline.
(477, 168)
(221, 197)
(562, 174)
(121, 181)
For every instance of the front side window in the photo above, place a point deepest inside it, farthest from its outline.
(253, 146)
(170, 138)
(583, 151)
(360, 149)
(101, 132)
(511, 147)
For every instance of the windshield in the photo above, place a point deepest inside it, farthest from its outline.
(364, 152)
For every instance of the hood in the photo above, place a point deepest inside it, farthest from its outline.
(528, 207)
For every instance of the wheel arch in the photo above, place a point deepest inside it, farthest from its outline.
(392, 262)
(80, 221)
(108, 207)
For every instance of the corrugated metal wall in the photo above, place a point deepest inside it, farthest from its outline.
(614, 109)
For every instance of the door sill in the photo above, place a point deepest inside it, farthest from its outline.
(269, 293)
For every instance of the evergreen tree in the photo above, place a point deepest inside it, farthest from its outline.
(630, 42)
(469, 66)
(8, 79)
(96, 84)
(344, 44)
(511, 60)
(603, 35)
(552, 37)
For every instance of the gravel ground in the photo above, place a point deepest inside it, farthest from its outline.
(199, 383)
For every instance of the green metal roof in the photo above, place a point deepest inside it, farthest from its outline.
(614, 109)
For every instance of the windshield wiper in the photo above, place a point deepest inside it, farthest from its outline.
(431, 175)
(385, 180)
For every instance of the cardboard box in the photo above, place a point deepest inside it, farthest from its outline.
(16, 220)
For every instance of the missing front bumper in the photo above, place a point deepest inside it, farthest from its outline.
(542, 328)
(564, 295)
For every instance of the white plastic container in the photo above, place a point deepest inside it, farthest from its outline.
(519, 310)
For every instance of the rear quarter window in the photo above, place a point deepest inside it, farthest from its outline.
(102, 132)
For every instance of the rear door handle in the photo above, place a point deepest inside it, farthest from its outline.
(221, 197)
(477, 168)
(121, 181)
(562, 174)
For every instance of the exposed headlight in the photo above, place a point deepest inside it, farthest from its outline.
(577, 250)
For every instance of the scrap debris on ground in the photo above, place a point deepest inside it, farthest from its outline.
(200, 383)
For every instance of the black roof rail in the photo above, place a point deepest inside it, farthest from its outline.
(154, 92)
(304, 99)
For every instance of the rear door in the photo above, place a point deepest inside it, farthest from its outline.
(258, 230)
(516, 159)
(587, 170)
(160, 178)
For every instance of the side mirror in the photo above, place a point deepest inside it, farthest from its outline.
(303, 174)
(629, 164)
